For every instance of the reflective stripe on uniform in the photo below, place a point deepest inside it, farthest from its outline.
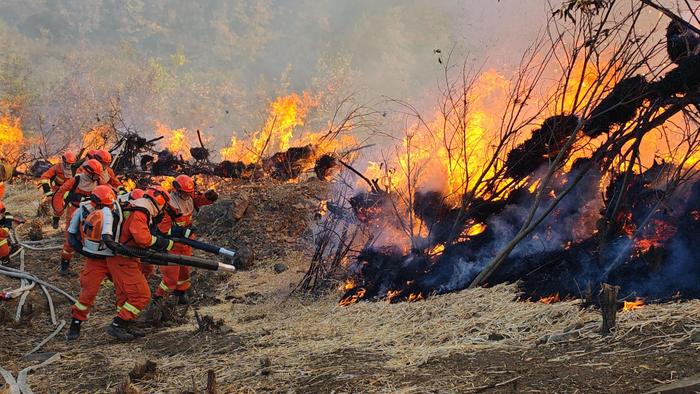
(171, 245)
(80, 306)
(181, 224)
(3, 242)
(119, 308)
(153, 240)
(182, 282)
(165, 287)
(131, 308)
(44, 181)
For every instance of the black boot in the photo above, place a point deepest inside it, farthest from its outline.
(120, 329)
(74, 330)
(137, 333)
(181, 296)
(64, 269)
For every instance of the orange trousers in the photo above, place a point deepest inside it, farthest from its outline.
(91, 278)
(128, 279)
(67, 251)
(175, 277)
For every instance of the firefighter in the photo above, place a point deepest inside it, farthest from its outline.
(125, 198)
(6, 222)
(134, 231)
(6, 172)
(57, 175)
(68, 198)
(108, 176)
(89, 222)
(177, 220)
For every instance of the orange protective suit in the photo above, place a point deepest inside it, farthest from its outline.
(126, 271)
(54, 178)
(67, 200)
(176, 277)
(95, 271)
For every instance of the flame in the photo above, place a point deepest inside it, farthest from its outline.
(353, 298)
(98, 137)
(175, 140)
(437, 250)
(550, 299)
(632, 305)
(415, 297)
(11, 137)
(129, 184)
(286, 113)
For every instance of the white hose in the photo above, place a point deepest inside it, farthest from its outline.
(22, 376)
(10, 381)
(53, 334)
(11, 272)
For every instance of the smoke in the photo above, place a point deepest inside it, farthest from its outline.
(213, 65)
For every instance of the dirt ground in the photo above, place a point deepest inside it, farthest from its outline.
(481, 340)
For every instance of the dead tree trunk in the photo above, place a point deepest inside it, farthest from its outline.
(608, 307)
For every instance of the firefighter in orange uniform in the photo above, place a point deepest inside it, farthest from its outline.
(6, 222)
(177, 220)
(6, 172)
(108, 176)
(68, 198)
(89, 222)
(56, 176)
(134, 231)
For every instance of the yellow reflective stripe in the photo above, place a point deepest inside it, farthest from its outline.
(80, 306)
(49, 193)
(119, 308)
(171, 244)
(165, 287)
(65, 195)
(182, 282)
(131, 308)
(45, 181)
(153, 240)
(181, 224)
(3, 242)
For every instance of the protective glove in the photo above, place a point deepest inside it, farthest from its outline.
(211, 195)
(54, 222)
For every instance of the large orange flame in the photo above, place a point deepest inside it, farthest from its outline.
(176, 140)
(11, 137)
(286, 114)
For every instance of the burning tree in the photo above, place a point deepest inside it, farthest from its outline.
(583, 184)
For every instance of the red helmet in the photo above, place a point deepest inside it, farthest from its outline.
(103, 157)
(91, 153)
(2, 208)
(103, 195)
(68, 157)
(136, 194)
(158, 195)
(93, 167)
(183, 183)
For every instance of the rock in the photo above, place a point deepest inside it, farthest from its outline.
(279, 268)
(244, 259)
(239, 206)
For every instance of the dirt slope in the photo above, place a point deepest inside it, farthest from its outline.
(479, 340)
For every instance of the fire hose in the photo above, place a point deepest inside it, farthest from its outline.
(159, 258)
(205, 247)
